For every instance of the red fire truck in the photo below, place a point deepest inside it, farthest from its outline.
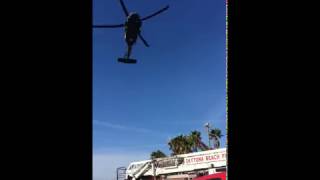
(204, 165)
(216, 176)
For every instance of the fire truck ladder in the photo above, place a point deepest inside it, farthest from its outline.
(143, 169)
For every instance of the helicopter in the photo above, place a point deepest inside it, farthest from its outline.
(132, 27)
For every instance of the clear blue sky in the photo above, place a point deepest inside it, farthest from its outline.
(178, 84)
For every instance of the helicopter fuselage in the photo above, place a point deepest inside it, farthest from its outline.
(132, 28)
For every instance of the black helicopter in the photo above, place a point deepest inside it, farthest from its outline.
(132, 30)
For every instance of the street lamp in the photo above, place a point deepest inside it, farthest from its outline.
(207, 126)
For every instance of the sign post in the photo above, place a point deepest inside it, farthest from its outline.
(121, 171)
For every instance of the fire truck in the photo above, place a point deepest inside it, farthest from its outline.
(204, 165)
(215, 176)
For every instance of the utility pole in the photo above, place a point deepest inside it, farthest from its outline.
(207, 126)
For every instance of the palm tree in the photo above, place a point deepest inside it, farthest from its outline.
(190, 143)
(157, 154)
(186, 144)
(180, 145)
(173, 146)
(195, 138)
(215, 134)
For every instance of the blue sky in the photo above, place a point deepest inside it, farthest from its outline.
(178, 84)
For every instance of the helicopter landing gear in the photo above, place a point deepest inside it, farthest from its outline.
(127, 61)
(126, 58)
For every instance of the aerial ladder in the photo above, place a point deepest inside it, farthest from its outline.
(143, 169)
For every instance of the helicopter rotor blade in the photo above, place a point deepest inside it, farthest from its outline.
(108, 26)
(124, 8)
(143, 40)
(156, 13)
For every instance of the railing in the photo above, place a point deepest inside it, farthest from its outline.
(144, 168)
